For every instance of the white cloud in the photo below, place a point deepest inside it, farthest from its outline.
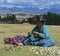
(48, 5)
(7, 6)
(19, 6)
(10, 1)
(37, 3)
(43, 0)
(41, 8)
(58, 2)
(20, 1)
(26, 0)
(1, 0)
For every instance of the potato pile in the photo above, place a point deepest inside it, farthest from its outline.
(13, 48)
(46, 51)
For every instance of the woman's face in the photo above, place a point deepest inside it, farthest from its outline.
(39, 23)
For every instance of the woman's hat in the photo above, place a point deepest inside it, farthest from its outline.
(39, 18)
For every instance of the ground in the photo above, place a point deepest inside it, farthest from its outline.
(10, 30)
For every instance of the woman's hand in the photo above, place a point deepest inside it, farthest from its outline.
(36, 33)
(20, 44)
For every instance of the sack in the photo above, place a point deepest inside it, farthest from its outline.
(14, 40)
(18, 37)
(8, 40)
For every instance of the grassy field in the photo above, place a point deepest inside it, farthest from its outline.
(10, 30)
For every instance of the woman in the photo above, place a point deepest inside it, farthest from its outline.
(40, 35)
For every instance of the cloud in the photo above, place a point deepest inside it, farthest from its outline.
(20, 1)
(41, 4)
(19, 6)
(7, 6)
(58, 2)
(49, 4)
(10, 1)
(1, 0)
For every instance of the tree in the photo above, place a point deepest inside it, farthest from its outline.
(0, 18)
(52, 18)
(10, 18)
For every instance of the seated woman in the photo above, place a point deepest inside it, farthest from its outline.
(40, 35)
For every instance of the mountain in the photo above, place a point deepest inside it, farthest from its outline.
(30, 6)
(30, 10)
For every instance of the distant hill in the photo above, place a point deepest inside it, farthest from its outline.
(29, 10)
(30, 6)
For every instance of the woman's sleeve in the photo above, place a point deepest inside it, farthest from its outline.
(46, 32)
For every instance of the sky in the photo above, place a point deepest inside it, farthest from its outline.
(41, 4)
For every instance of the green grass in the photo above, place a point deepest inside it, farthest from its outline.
(10, 30)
